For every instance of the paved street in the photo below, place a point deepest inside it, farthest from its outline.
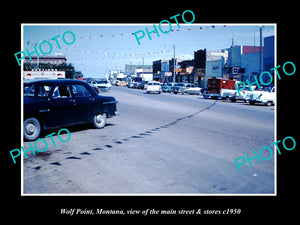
(159, 144)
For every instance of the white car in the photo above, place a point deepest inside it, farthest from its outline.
(153, 87)
(243, 94)
(103, 84)
(268, 98)
(190, 89)
(227, 93)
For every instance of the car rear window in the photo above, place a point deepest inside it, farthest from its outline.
(80, 91)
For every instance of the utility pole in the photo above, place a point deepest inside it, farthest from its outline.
(143, 65)
(143, 70)
(260, 48)
(174, 65)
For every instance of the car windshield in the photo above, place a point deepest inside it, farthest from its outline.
(29, 90)
(102, 82)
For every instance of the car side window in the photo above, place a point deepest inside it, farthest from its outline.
(62, 91)
(80, 91)
(43, 90)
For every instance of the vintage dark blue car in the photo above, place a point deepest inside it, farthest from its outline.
(50, 104)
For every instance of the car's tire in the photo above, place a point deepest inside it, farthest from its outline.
(268, 103)
(32, 129)
(99, 120)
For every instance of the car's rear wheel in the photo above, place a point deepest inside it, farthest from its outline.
(99, 120)
(32, 129)
(268, 103)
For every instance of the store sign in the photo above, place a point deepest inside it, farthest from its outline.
(214, 68)
(44, 74)
(168, 74)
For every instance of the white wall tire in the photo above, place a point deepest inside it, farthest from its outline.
(32, 129)
(99, 120)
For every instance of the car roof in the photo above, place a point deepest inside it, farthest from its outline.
(54, 82)
(57, 82)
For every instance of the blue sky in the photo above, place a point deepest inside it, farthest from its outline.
(103, 47)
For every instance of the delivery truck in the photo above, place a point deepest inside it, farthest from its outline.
(217, 87)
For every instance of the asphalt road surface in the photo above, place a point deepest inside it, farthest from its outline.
(160, 144)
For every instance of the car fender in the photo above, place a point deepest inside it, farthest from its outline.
(105, 105)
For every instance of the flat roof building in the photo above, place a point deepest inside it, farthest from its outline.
(56, 60)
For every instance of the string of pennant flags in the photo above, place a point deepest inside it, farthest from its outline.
(103, 53)
(172, 30)
(32, 43)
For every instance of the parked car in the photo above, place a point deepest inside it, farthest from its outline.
(166, 88)
(50, 104)
(102, 84)
(122, 83)
(130, 84)
(139, 85)
(143, 85)
(203, 91)
(227, 93)
(153, 87)
(176, 88)
(116, 82)
(191, 89)
(235, 97)
(119, 83)
(136, 85)
(171, 84)
(266, 97)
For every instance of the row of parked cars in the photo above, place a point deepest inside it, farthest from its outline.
(157, 87)
(264, 96)
(216, 89)
(221, 88)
